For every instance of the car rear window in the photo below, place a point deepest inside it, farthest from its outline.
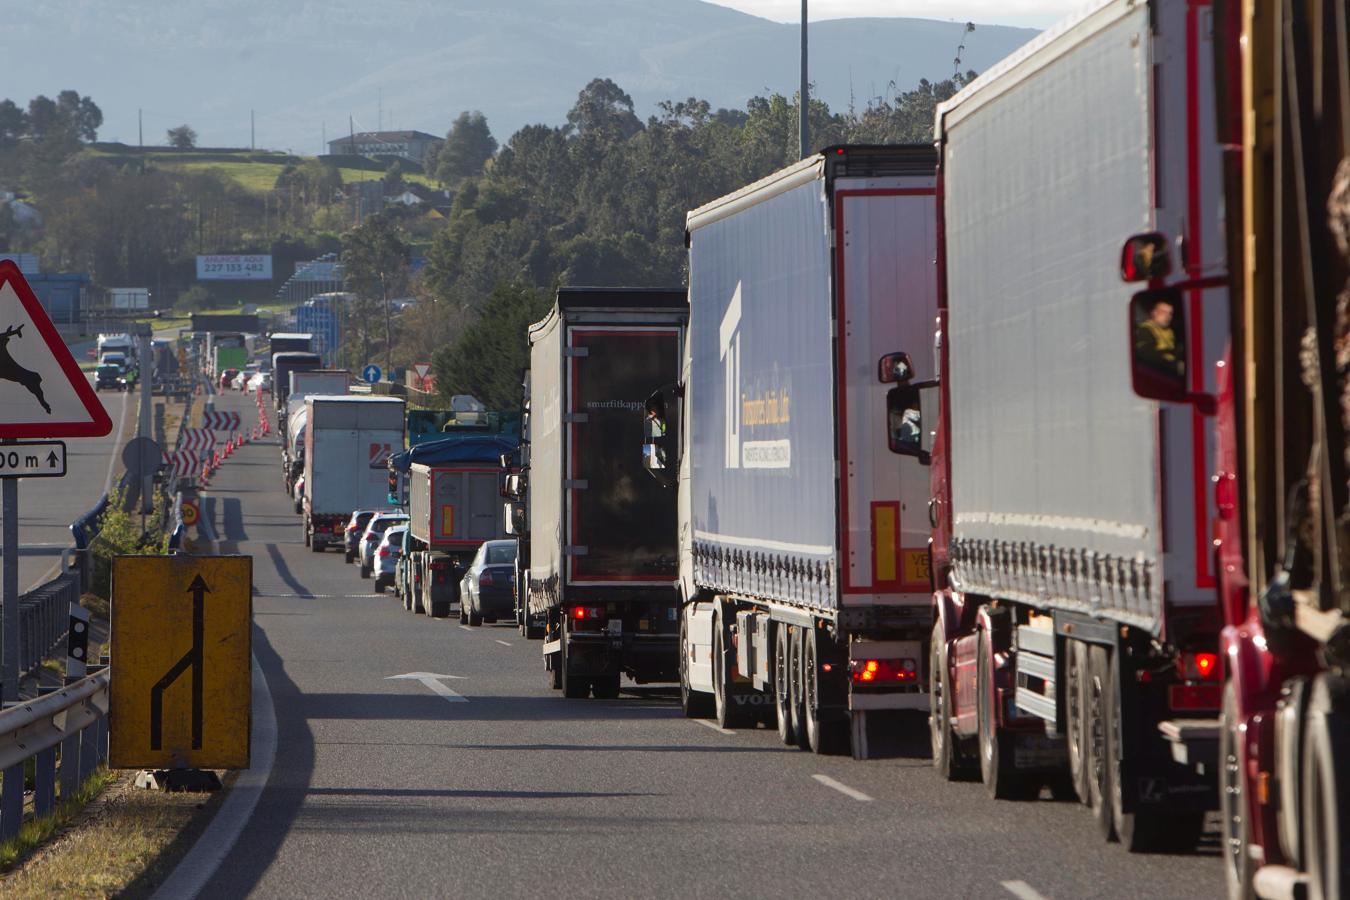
(500, 555)
(380, 526)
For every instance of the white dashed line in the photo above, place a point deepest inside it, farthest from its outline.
(842, 788)
(505, 643)
(466, 628)
(1023, 890)
(714, 726)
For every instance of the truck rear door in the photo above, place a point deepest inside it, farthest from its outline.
(465, 507)
(621, 524)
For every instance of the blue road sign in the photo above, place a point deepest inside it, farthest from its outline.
(370, 374)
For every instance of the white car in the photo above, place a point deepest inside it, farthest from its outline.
(386, 556)
(261, 380)
(241, 380)
(370, 538)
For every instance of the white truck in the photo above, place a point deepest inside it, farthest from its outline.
(348, 441)
(804, 580)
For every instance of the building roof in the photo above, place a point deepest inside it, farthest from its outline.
(385, 136)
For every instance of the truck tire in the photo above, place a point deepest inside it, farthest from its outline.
(827, 737)
(532, 632)
(951, 763)
(694, 704)
(1326, 788)
(782, 683)
(1096, 727)
(728, 713)
(606, 688)
(1075, 710)
(1143, 829)
(573, 688)
(997, 768)
(1238, 866)
(797, 692)
(315, 546)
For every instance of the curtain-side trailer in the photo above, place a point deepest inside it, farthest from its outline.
(1075, 642)
(805, 593)
(602, 533)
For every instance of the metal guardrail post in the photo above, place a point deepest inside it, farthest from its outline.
(44, 776)
(11, 802)
(70, 766)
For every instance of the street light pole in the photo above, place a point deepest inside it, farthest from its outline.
(805, 100)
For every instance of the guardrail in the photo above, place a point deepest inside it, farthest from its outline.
(73, 719)
(44, 615)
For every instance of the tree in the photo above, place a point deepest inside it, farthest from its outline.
(13, 124)
(194, 299)
(183, 137)
(487, 356)
(80, 114)
(467, 148)
(375, 265)
(602, 106)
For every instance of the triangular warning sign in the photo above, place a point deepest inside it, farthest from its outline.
(43, 393)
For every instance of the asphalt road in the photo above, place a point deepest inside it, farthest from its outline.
(47, 506)
(383, 788)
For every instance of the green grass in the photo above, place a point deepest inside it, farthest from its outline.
(254, 171)
(38, 830)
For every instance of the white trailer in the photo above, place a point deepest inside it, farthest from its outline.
(348, 442)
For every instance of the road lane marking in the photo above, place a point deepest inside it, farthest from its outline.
(1023, 890)
(192, 874)
(466, 628)
(505, 643)
(707, 723)
(842, 788)
(433, 682)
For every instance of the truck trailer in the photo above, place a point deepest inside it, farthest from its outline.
(283, 364)
(1074, 643)
(1280, 483)
(454, 506)
(291, 342)
(804, 585)
(291, 424)
(348, 442)
(603, 540)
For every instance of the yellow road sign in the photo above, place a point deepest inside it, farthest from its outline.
(181, 644)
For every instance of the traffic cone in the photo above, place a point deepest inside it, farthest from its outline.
(239, 441)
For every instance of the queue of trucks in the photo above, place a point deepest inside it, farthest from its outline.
(1038, 430)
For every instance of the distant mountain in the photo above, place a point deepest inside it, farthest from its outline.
(306, 65)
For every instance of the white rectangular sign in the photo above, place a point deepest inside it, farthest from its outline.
(33, 459)
(257, 267)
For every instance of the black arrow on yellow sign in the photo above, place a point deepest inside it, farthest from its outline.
(192, 659)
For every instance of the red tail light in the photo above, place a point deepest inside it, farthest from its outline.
(588, 612)
(384, 551)
(485, 577)
(1199, 666)
(874, 671)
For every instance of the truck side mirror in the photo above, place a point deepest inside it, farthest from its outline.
(895, 368)
(1145, 257)
(1158, 345)
(904, 423)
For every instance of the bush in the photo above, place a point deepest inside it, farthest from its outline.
(120, 535)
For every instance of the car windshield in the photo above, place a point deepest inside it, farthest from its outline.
(107, 370)
(506, 553)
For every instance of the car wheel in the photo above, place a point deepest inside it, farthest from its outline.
(475, 617)
(379, 584)
(365, 570)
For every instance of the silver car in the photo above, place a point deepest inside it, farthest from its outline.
(386, 557)
(375, 530)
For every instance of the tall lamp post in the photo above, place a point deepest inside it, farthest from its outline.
(802, 111)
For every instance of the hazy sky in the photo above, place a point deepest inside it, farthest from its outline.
(1030, 13)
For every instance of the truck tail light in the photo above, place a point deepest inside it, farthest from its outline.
(582, 613)
(882, 671)
(1198, 666)
(439, 564)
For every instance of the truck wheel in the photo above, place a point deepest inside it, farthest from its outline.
(1096, 726)
(1238, 869)
(1143, 829)
(796, 693)
(573, 687)
(728, 714)
(823, 736)
(315, 546)
(1326, 788)
(948, 759)
(694, 704)
(997, 769)
(782, 683)
(606, 688)
(1075, 715)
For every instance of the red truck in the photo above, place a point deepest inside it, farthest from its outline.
(1283, 545)
(1075, 643)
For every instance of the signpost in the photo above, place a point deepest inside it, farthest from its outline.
(371, 373)
(181, 626)
(43, 394)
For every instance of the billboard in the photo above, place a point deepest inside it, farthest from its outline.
(256, 267)
(318, 270)
(129, 298)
